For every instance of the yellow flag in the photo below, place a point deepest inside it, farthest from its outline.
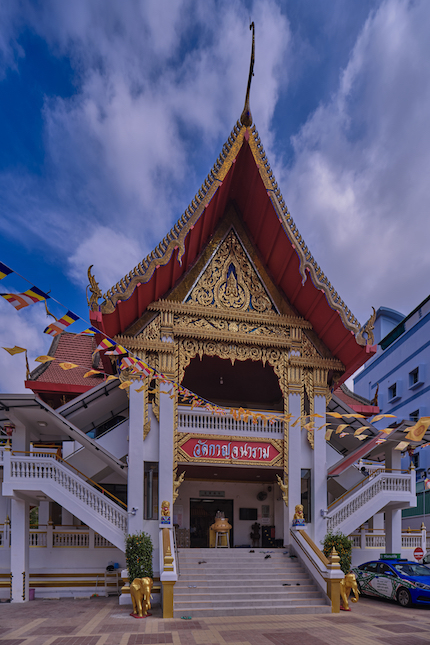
(402, 445)
(383, 416)
(90, 373)
(44, 359)
(324, 425)
(417, 432)
(111, 378)
(387, 430)
(124, 385)
(341, 427)
(336, 415)
(328, 434)
(293, 425)
(361, 437)
(67, 366)
(318, 416)
(141, 388)
(14, 350)
(354, 416)
(309, 426)
(361, 430)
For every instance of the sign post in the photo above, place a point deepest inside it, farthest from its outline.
(418, 553)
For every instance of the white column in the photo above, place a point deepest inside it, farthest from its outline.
(294, 465)
(165, 464)
(43, 513)
(393, 517)
(19, 550)
(393, 530)
(20, 526)
(135, 493)
(319, 473)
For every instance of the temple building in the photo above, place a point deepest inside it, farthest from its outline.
(231, 307)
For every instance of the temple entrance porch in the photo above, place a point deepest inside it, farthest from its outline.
(246, 496)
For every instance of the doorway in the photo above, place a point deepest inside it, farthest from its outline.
(202, 516)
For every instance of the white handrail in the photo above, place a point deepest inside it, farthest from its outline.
(33, 469)
(391, 482)
(205, 421)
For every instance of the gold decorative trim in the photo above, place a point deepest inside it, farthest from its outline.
(194, 309)
(308, 392)
(184, 437)
(365, 335)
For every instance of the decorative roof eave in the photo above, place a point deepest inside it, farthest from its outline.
(306, 259)
(175, 239)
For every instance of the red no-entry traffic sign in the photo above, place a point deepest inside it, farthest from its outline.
(418, 553)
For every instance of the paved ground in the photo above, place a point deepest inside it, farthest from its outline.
(101, 621)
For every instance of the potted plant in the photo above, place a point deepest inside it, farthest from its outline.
(343, 546)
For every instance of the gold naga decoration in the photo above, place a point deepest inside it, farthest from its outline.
(93, 302)
(365, 334)
(284, 489)
(177, 483)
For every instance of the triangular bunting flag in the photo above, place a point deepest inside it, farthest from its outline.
(60, 325)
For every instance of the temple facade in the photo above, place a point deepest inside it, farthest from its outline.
(250, 344)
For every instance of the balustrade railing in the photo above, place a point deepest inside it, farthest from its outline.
(48, 537)
(350, 503)
(33, 469)
(377, 540)
(101, 543)
(72, 540)
(266, 423)
(37, 538)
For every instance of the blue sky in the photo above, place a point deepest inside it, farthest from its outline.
(112, 114)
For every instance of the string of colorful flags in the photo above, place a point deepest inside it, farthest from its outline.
(138, 367)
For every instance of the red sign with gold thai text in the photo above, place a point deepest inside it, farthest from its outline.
(227, 450)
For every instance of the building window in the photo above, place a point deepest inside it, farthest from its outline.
(392, 391)
(151, 490)
(416, 377)
(415, 460)
(306, 499)
(414, 416)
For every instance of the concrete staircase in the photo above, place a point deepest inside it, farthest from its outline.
(235, 582)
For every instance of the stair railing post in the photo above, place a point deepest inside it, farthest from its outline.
(335, 575)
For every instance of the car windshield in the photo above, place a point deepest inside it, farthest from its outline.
(410, 569)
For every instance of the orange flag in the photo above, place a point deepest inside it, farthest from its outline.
(417, 432)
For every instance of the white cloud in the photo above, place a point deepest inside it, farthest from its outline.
(358, 188)
(23, 328)
(121, 152)
(109, 251)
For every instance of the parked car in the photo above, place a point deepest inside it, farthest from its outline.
(401, 580)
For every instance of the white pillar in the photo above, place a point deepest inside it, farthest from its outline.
(20, 526)
(19, 551)
(319, 473)
(43, 513)
(393, 530)
(135, 493)
(392, 458)
(294, 465)
(165, 464)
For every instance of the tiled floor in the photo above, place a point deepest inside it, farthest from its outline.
(100, 621)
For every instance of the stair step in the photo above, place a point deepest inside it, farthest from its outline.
(235, 582)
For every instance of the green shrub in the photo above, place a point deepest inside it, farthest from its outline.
(343, 546)
(138, 555)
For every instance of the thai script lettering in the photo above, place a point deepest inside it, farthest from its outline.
(206, 448)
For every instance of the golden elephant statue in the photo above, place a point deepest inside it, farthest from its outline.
(348, 584)
(140, 590)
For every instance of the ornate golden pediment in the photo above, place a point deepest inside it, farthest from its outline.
(230, 281)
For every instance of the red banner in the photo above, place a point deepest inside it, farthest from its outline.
(226, 450)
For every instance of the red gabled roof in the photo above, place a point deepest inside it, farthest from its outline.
(68, 348)
(357, 403)
(241, 176)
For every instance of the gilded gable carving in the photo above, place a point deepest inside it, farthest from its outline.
(231, 282)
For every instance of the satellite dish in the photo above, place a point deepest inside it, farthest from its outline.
(262, 495)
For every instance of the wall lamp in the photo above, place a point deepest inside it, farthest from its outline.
(133, 511)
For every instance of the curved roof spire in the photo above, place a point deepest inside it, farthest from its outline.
(246, 116)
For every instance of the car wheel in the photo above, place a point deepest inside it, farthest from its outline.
(404, 597)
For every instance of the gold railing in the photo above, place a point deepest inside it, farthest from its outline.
(168, 569)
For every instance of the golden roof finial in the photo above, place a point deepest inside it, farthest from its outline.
(246, 116)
